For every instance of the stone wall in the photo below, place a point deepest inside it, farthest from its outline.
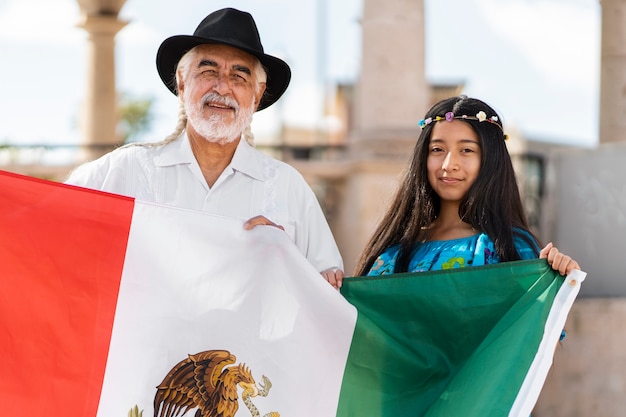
(586, 214)
(587, 219)
(588, 376)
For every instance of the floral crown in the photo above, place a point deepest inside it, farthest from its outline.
(449, 116)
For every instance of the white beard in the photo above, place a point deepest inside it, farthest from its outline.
(214, 128)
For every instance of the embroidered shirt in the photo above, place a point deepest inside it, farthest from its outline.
(252, 184)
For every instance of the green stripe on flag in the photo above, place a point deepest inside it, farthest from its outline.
(445, 343)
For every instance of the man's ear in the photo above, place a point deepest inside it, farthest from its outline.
(180, 85)
(259, 95)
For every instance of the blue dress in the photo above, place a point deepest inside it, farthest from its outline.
(434, 255)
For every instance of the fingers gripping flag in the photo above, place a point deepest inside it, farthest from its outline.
(110, 305)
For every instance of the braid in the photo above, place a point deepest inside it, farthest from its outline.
(180, 125)
(248, 135)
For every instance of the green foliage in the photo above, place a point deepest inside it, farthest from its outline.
(136, 116)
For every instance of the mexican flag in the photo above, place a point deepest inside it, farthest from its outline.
(113, 307)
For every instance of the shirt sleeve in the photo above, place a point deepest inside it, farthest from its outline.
(314, 237)
(120, 172)
(89, 175)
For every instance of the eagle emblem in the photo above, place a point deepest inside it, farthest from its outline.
(205, 381)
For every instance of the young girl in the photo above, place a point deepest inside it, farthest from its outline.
(458, 204)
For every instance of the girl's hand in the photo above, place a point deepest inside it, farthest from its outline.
(334, 277)
(557, 260)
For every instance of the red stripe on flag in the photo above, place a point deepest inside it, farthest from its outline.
(61, 258)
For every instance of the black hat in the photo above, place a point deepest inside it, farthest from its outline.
(227, 27)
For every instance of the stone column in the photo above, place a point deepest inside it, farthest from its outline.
(99, 119)
(391, 96)
(612, 118)
(392, 91)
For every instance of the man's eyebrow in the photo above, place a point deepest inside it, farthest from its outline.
(235, 67)
(242, 68)
(207, 63)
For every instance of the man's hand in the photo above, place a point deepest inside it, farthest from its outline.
(334, 277)
(260, 221)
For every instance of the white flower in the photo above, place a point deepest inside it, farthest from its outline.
(481, 116)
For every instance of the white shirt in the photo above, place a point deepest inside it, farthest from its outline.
(253, 184)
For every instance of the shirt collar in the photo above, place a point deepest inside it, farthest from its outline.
(246, 159)
(175, 153)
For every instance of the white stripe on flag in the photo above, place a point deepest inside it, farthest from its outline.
(194, 282)
(538, 371)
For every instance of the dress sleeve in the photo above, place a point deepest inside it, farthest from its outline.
(385, 263)
(525, 244)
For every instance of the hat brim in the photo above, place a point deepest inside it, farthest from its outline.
(172, 50)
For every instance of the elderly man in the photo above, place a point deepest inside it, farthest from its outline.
(221, 77)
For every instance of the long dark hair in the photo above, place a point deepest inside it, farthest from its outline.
(492, 204)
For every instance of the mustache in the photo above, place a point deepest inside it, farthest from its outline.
(213, 97)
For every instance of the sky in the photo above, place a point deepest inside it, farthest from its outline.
(535, 61)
